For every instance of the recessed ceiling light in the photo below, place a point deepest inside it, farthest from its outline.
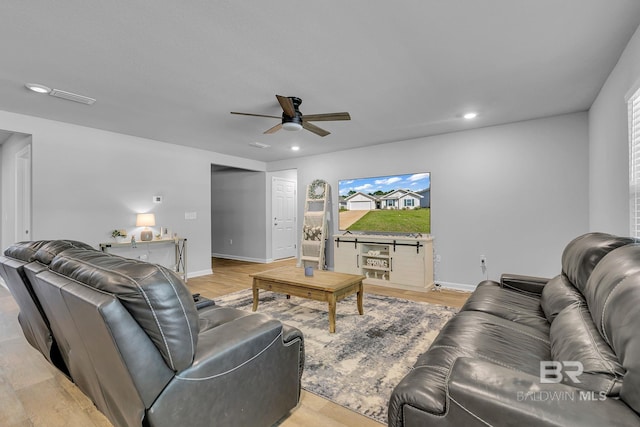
(470, 116)
(295, 148)
(38, 88)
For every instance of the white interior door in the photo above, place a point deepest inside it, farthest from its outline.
(23, 194)
(283, 207)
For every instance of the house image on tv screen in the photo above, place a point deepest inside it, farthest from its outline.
(386, 204)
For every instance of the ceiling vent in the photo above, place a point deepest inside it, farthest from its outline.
(259, 145)
(69, 96)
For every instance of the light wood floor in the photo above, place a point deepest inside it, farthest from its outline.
(32, 393)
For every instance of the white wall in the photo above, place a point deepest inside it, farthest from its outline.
(516, 193)
(238, 212)
(9, 149)
(609, 145)
(87, 182)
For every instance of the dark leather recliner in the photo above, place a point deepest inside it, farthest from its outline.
(490, 363)
(136, 345)
(33, 321)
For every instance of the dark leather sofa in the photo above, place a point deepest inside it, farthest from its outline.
(129, 335)
(538, 352)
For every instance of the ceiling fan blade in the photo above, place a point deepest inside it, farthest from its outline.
(274, 129)
(287, 105)
(326, 117)
(256, 115)
(315, 129)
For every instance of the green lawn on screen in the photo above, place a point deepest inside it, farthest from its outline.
(395, 221)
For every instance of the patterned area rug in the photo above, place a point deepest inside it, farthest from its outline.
(359, 365)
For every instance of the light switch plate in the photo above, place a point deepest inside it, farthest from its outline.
(190, 215)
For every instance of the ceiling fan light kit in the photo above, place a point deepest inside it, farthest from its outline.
(292, 126)
(293, 120)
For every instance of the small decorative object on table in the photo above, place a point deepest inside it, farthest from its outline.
(119, 234)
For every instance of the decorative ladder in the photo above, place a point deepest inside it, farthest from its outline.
(314, 228)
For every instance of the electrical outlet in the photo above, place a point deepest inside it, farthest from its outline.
(438, 258)
(231, 241)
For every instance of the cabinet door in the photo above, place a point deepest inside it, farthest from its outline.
(407, 266)
(346, 258)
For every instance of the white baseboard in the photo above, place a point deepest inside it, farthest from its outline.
(241, 258)
(457, 286)
(199, 273)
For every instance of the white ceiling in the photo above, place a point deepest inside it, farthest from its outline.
(173, 70)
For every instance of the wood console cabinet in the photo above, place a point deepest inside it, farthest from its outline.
(396, 261)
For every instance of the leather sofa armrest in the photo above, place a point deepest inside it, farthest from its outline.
(231, 345)
(527, 284)
(492, 395)
(244, 371)
(292, 336)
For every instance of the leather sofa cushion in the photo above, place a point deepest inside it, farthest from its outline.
(471, 334)
(156, 298)
(519, 307)
(574, 337)
(583, 253)
(613, 298)
(557, 295)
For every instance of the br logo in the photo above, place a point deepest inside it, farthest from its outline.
(552, 371)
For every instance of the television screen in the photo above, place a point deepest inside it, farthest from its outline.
(394, 204)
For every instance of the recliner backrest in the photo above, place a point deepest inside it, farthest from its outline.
(613, 297)
(111, 358)
(154, 296)
(579, 258)
(50, 249)
(33, 321)
(583, 253)
(28, 259)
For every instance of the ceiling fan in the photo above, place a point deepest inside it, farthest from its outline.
(293, 119)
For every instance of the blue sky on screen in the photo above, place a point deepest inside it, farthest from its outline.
(412, 181)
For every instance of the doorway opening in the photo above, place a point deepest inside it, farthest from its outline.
(253, 214)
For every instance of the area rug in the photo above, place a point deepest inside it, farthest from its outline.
(359, 365)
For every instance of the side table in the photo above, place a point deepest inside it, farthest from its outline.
(180, 244)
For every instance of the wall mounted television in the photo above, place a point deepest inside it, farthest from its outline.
(393, 204)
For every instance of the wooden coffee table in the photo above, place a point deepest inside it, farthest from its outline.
(322, 286)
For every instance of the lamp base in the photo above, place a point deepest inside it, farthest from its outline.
(146, 235)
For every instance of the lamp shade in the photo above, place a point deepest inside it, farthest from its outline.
(145, 220)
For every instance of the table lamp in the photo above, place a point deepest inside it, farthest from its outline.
(146, 220)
